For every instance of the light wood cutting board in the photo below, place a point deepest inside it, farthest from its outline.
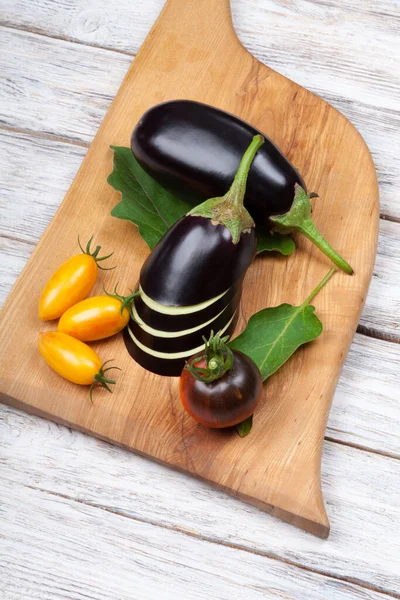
(192, 52)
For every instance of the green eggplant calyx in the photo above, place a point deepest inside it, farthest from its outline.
(95, 254)
(126, 301)
(218, 356)
(100, 380)
(298, 218)
(229, 210)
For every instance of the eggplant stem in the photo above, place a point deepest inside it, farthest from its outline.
(238, 187)
(229, 209)
(298, 218)
(311, 232)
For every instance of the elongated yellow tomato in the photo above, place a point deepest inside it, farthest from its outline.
(95, 318)
(74, 360)
(70, 284)
(69, 357)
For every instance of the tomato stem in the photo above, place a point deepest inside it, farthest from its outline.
(126, 301)
(218, 356)
(100, 380)
(95, 254)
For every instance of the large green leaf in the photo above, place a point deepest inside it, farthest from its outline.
(154, 209)
(272, 335)
(144, 202)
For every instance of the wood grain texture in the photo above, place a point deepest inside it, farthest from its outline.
(363, 547)
(278, 468)
(76, 99)
(305, 40)
(72, 558)
(50, 165)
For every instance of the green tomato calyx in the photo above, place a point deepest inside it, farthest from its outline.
(218, 356)
(95, 254)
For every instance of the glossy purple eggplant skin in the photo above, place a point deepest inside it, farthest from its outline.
(196, 261)
(192, 147)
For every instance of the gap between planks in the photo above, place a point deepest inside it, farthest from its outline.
(328, 438)
(375, 333)
(202, 537)
(61, 38)
(388, 218)
(44, 136)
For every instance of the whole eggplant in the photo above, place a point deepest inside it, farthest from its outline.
(192, 147)
(195, 147)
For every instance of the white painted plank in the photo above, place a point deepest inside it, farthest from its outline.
(382, 307)
(122, 27)
(56, 87)
(13, 257)
(77, 83)
(54, 548)
(361, 492)
(366, 408)
(36, 173)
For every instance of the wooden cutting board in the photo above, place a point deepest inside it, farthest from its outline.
(192, 52)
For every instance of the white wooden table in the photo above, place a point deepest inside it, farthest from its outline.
(81, 519)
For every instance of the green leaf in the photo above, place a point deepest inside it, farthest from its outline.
(274, 242)
(144, 201)
(273, 334)
(244, 427)
(154, 209)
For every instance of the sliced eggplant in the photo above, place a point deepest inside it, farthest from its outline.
(181, 322)
(187, 278)
(168, 364)
(180, 343)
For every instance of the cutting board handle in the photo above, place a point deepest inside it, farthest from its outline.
(214, 16)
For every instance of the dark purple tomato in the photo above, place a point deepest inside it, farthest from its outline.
(226, 401)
